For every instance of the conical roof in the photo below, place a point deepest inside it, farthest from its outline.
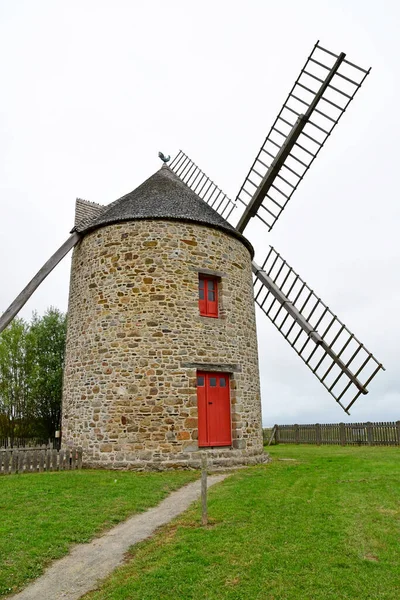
(162, 196)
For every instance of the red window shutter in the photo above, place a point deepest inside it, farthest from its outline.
(202, 296)
(208, 297)
(212, 298)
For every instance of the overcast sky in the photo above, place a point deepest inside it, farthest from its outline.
(92, 90)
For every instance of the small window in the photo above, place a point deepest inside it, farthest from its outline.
(213, 382)
(208, 296)
(200, 381)
(222, 382)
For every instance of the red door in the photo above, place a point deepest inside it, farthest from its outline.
(214, 409)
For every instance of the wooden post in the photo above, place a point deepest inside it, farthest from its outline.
(398, 432)
(204, 515)
(28, 461)
(54, 459)
(41, 461)
(369, 433)
(21, 457)
(14, 461)
(61, 460)
(80, 451)
(6, 462)
(342, 434)
(67, 462)
(272, 435)
(276, 434)
(34, 461)
(296, 434)
(47, 451)
(318, 434)
(73, 458)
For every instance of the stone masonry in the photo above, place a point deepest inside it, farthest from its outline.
(136, 339)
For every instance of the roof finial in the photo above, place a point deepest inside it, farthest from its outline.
(164, 158)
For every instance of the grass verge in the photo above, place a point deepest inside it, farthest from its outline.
(43, 514)
(316, 524)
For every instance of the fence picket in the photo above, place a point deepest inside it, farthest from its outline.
(48, 457)
(54, 454)
(14, 461)
(73, 458)
(21, 456)
(6, 462)
(41, 461)
(34, 461)
(61, 460)
(27, 461)
(67, 459)
(79, 453)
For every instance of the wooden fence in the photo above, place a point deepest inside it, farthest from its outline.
(37, 460)
(356, 434)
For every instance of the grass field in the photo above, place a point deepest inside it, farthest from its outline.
(43, 514)
(319, 523)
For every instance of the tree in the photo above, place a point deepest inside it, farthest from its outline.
(45, 351)
(31, 373)
(15, 406)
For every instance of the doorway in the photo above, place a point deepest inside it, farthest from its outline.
(214, 409)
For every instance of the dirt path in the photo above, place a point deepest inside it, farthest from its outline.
(71, 577)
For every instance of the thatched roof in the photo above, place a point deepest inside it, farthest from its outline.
(162, 196)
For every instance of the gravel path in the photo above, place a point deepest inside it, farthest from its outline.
(69, 578)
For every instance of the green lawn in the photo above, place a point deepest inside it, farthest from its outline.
(43, 514)
(316, 524)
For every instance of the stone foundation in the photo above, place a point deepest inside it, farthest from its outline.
(227, 458)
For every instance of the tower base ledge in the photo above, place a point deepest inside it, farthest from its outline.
(216, 459)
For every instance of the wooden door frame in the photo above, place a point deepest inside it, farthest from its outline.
(207, 374)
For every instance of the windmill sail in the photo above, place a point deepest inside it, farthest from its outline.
(204, 187)
(335, 356)
(27, 292)
(320, 95)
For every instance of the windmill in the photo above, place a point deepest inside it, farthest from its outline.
(326, 85)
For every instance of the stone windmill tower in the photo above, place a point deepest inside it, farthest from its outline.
(161, 352)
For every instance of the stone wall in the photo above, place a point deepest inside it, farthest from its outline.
(135, 340)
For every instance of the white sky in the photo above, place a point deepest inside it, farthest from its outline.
(91, 90)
